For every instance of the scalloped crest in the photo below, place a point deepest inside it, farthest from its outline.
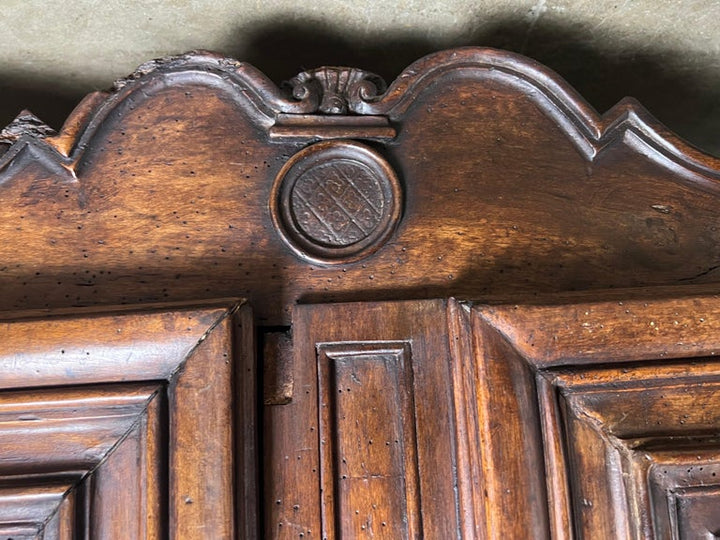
(327, 92)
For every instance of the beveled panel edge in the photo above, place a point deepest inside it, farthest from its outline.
(143, 359)
(613, 331)
(187, 369)
(654, 462)
(207, 456)
(264, 103)
(329, 356)
(230, 303)
(600, 331)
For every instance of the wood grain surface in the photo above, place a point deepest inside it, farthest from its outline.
(128, 424)
(512, 185)
(476, 309)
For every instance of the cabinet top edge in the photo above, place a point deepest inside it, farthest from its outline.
(347, 91)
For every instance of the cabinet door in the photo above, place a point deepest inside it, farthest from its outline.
(444, 419)
(365, 447)
(627, 394)
(128, 424)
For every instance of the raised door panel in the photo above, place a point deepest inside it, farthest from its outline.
(642, 448)
(128, 424)
(365, 447)
(444, 419)
(628, 395)
(369, 468)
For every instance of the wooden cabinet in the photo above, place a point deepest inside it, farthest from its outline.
(470, 307)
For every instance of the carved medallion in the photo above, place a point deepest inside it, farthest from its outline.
(336, 201)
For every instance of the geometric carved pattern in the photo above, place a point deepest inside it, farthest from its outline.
(121, 425)
(336, 201)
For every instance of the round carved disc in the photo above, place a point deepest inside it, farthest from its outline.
(336, 201)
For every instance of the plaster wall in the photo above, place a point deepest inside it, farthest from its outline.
(664, 52)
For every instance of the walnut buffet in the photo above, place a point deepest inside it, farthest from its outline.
(463, 305)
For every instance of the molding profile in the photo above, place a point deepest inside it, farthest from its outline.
(118, 392)
(328, 103)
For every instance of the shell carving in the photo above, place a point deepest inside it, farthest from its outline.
(337, 90)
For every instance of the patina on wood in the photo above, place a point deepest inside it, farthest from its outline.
(128, 424)
(512, 185)
(481, 380)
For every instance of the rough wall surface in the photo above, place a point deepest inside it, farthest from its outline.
(666, 54)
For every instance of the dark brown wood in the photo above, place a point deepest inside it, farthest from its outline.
(277, 374)
(362, 463)
(627, 408)
(511, 184)
(336, 202)
(577, 448)
(482, 310)
(123, 424)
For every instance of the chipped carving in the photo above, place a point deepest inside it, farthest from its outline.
(25, 123)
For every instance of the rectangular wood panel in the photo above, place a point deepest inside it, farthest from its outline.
(629, 408)
(641, 447)
(127, 424)
(368, 445)
(371, 403)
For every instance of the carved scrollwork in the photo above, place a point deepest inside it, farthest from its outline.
(337, 90)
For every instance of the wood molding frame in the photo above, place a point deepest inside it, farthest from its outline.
(614, 405)
(129, 424)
